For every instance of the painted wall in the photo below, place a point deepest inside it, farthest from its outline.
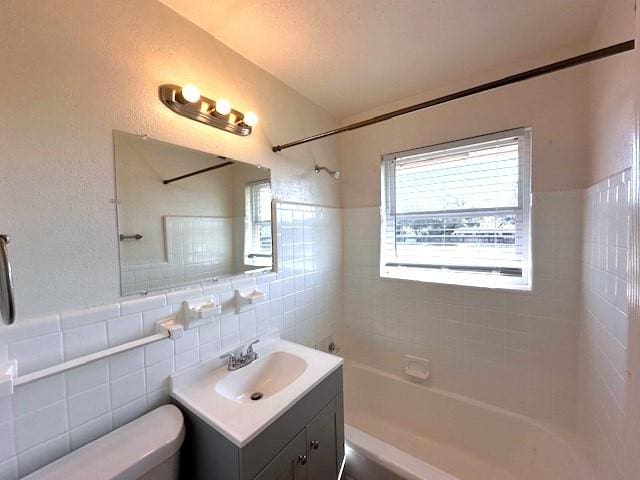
(611, 95)
(555, 106)
(74, 72)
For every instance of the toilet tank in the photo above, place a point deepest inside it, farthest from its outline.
(147, 448)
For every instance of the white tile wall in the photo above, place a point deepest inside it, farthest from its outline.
(514, 350)
(48, 418)
(197, 248)
(604, 325)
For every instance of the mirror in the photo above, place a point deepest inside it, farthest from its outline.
(186, 216)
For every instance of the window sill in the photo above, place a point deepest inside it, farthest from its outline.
(485, 281)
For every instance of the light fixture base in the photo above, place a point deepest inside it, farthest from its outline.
(203, 111)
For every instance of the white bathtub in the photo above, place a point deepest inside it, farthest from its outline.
(410, 431)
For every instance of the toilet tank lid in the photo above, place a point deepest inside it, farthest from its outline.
(128, 452)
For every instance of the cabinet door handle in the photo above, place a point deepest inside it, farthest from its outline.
(315, 444)
(302, 459)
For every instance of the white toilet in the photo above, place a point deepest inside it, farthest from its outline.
(147, 448)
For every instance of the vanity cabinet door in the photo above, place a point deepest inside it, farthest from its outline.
(322, 445)
(290, 463)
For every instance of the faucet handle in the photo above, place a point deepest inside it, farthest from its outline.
(250, 347)
(250, 351)
(232, 359)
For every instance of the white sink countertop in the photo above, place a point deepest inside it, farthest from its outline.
(284, 372)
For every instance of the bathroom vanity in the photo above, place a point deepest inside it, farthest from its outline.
(279, 418)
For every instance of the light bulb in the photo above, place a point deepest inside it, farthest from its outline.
(223, 106)
(190, 93)
(250, 118)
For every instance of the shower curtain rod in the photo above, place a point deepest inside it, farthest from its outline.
(518, 77)
(197, 172)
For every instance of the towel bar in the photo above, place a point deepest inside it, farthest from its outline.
(9, 378)
(7, 305)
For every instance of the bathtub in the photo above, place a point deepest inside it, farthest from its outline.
(397, 429)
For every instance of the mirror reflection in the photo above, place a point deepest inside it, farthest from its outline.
(186, 216)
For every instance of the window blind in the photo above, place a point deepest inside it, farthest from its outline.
(459, 212)
(261, 201)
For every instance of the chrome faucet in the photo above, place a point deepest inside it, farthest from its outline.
(243, 359)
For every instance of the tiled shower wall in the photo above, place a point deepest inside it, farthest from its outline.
(197, 248)
(46, 419)
(515, 350)
(605, 324)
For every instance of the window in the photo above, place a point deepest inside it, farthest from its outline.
(258, 244)
(458, 212)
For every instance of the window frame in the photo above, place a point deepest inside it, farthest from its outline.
(251, 257)
(458, 275)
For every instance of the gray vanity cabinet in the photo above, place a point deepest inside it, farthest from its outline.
(322, 452)
(305, 443)
(289, 464)
(311, 455)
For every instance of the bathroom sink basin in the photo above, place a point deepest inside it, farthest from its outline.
(283, 373)
(262, 378)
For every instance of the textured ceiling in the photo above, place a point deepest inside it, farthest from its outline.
(349, 56)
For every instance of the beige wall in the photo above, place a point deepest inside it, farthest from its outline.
(72, 71)
(582, 119)
(611, 95)
(611, 112)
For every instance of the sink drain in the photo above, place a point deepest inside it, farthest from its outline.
(256, 396)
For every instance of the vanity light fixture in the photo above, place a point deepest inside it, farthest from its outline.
(251, 119)
(189, 94)
(223, 106)
(188, 102)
